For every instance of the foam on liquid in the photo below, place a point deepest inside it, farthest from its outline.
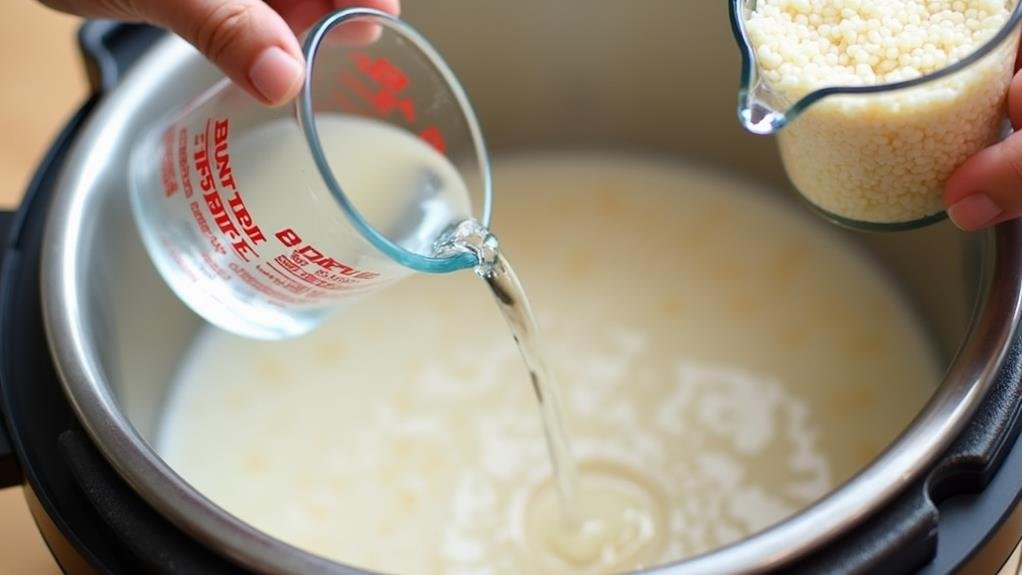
(723, 363)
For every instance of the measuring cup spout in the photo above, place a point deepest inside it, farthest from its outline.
(761, 111)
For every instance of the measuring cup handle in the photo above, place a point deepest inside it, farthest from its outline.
(110, 48)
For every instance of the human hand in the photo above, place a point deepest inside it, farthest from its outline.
(252, 41)
(987, 188)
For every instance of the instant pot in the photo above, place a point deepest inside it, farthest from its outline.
(91, 336)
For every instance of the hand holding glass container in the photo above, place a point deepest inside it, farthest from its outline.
(876, 102)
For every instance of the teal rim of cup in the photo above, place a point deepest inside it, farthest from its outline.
(749, 67)
(307, 120)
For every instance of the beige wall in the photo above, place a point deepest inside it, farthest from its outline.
(43, 87)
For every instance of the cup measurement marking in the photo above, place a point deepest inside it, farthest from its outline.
(390, 80)
(381, 103)
(167, 165)
(289, 281)
(182, 161)
(212, 196)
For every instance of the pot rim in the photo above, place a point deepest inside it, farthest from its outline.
(905, 461)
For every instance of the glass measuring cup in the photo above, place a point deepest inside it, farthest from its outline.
(877, 156)
(265, 220)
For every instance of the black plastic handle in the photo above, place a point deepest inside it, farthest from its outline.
(942, 522)
(147, 542)
(92, 520)
(111, 48)
(10, 473)
(156, 546)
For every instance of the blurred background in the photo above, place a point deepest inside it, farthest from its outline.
(45, 85)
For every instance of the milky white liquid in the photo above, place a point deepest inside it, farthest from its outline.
(403, 187)
(723, 363)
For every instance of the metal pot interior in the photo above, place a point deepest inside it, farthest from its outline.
(658, 77)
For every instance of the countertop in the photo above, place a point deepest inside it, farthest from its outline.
(45, 85)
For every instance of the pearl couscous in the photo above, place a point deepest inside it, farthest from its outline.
(883, 157)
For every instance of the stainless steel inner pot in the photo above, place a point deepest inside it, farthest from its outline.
(658, 77)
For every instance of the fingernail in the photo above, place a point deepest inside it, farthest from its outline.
(974, 212)
(275, 74)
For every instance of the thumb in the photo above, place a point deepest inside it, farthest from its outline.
(246, 39)
(987, 188)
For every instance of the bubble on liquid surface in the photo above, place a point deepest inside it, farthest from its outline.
(618, 521)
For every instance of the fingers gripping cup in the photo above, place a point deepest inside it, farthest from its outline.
(265, 220)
